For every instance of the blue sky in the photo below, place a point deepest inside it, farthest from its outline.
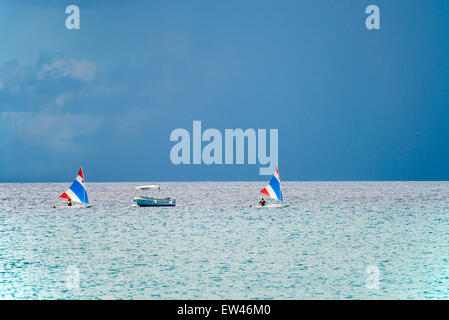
(349, 103)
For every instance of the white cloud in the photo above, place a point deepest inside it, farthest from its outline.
(55, 132)
(62, 99)
(83, 70)
(13, 76)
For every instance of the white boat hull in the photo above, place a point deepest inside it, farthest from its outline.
(269, 206)
(74, 206)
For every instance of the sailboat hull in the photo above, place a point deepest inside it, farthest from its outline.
(74, 206)
(279, 205)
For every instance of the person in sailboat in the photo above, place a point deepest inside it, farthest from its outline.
(262, 202)
(69, 202)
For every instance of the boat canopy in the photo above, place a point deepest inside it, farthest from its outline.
(152, 186)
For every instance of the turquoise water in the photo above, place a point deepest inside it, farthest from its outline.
(336, 240)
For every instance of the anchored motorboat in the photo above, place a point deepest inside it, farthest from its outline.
(146, 199)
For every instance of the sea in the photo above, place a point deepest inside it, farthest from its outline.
(335, 240)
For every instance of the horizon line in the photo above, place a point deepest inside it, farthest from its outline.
(222, 181)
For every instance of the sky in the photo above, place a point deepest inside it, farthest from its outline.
(349, 103)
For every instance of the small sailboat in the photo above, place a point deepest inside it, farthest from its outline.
(148, 200)
(273, 190)
(76, 193)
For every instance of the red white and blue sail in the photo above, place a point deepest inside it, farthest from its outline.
(273, 189)
(77, 191)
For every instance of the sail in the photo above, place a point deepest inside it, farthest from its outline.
(77, 191)
(273, 189)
